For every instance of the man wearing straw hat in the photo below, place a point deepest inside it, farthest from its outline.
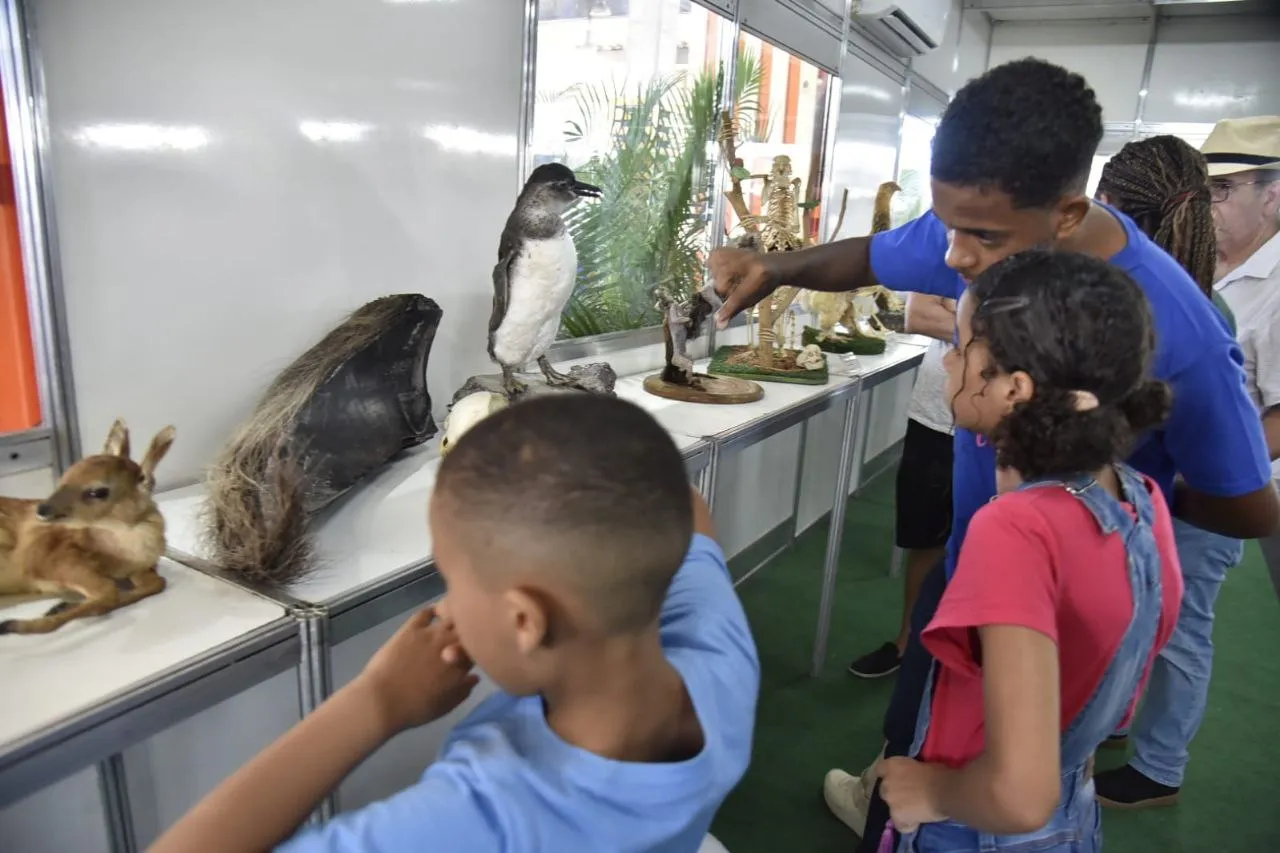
(1243, 158)
(1244, 180)
(1244, 183)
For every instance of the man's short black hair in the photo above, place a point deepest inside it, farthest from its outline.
(1028, 128)
(588, 487)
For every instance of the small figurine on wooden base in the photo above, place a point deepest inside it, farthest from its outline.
(682, 321)
(94, 542)
(533, 279)
(779, 230)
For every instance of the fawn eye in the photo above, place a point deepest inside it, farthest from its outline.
(98, 494)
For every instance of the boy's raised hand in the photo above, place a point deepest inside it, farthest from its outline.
(418, 675)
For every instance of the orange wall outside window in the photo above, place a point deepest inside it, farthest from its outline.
(19, 393)
(793, 102)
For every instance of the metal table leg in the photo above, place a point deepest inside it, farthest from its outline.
(115, 804)
(707, 478)
(852, 411)
(314, 679)
(895, 565)
(795, 499)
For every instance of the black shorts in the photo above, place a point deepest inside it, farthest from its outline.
(922, 505)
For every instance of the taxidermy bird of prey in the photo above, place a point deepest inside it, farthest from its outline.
(534, 277)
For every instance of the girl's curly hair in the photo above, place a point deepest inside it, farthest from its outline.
(1072, 323)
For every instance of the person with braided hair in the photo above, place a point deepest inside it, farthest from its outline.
(1162, 184)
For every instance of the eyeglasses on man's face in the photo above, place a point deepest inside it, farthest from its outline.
(1220, 191)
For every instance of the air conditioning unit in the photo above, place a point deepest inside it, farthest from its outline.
(907, 27)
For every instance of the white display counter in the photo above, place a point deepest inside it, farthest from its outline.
(124, 677)
(81, 694)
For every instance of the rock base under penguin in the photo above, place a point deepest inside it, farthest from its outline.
(596, 378)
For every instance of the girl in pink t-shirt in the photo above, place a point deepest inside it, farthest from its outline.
(1067, 584)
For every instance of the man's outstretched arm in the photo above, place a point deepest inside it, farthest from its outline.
(911, 258)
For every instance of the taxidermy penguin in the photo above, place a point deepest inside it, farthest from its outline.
(534, 277)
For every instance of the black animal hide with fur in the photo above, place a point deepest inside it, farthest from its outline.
(336, 415)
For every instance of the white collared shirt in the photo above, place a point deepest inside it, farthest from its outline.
(1252, 292)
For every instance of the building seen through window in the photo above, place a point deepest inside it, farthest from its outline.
(629, 95)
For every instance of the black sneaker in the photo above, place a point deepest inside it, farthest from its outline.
(1126, 788)
(883, 661)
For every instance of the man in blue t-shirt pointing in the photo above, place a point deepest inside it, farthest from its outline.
(1011, 159)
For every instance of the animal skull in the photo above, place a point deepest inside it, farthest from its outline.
(810, 358)
(468, 412)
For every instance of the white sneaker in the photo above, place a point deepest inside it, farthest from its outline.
(848, 798)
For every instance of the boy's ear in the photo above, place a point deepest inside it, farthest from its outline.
(1071, 212)
(529, 619)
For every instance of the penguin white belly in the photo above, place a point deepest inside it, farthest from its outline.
(539, 285)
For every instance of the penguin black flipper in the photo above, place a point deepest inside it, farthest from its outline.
(507, 248)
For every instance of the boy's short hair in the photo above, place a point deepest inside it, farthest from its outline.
(1028, 128)
(588, 487)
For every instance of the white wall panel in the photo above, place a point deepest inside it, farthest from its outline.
(866, 143)
(1110, 55)
(1207, 69)
(922, 104)
(755, 490)
(37, 483)
(975, 44)
(230, 179)
(65, 817)
(941, 67)
(883, 418)
(172, 771)
(888, 419)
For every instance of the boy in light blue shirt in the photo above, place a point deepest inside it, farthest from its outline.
(583, 579)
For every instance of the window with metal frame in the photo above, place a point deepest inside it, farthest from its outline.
(629, 96)
(791, 120)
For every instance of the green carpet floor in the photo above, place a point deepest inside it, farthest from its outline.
(1231, 798)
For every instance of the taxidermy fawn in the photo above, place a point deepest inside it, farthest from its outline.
(94, 542)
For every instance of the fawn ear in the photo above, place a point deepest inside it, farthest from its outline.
(117, 440)
(159, 447)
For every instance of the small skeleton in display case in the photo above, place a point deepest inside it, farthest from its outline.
(779, 230)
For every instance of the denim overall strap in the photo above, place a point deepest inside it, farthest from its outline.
(1076, 824)
(1113, 697)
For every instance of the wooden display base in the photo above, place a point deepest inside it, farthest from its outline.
(738, 361)
(705, 389)
(842, 344)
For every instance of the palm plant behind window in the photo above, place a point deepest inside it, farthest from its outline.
(912, 204)
(650, 228)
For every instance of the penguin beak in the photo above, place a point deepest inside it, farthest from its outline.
(586, 190)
